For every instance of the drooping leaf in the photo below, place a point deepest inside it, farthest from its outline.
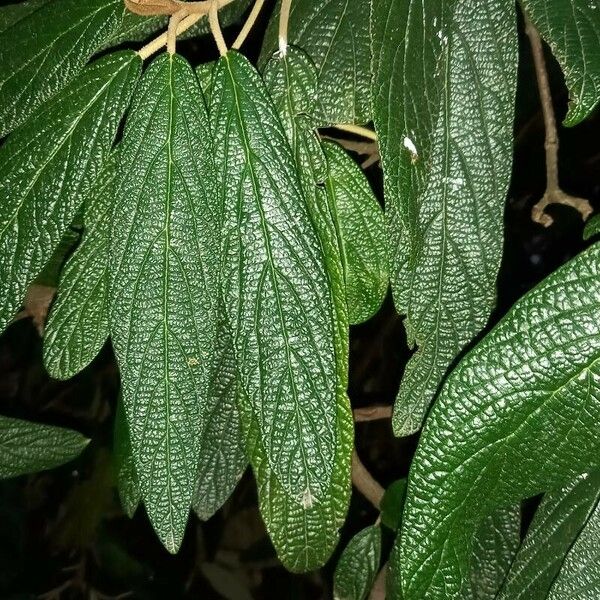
(556, 524)
(572, 29)
(128, 483)
(358, 565)
(280, 309)
(494, 548)
(362, 232)
(27, 447)
(446, 235)
(13, 13)
(204, 72)
(163, 272)
(335, 34)
(392, 504)
(592, 228)
(48, 167)
(517, 416)
(579, 576)
(77, 326)
(222, 450)
(50, 274)
(42, 53)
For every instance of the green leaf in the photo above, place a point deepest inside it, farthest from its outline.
(592, 227)
(517, 416)
(204, 72)
(357, 567)
(127, 480)
(392, 504)
(362, 233)
(27, 447)
(50, 274)
(13, 13)
(43, 52)
(572, 29)
(48, 167)
(163, 270)
(579, 577)
(556, 524)
(494, 548)
(280, 308)
(335, 34)
(446, 236)
(222, 450)
(77, 326)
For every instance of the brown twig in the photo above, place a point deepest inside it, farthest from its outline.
(365, 483)
(553, 194)
(378, 589)
(372, 413)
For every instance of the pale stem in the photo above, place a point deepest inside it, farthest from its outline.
(174, 22)
(215, 27)
(284, 18)
(357, 130)
(239, 40)
(372, 413)
(365, 483)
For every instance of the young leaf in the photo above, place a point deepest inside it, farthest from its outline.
(392, 504)
(556, 524)
(579, 577)
(494, 548)
(77, 326)
(335, 34)
(517, 416)
(49, 165)
(128, 483)
(447, 235)
(27, 447)
(362, 234)
(164, 261)
(358, 565)
(572, 29)
(44, 51)
(222, 451)
(279, 306)
(592, 227)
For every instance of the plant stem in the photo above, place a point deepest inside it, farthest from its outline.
(213, 19)
(378, 589)
(174, 22)
(284, 18)
(372, 413)
(365, 483)
(553, 194)
(357, 130)
(239, 40)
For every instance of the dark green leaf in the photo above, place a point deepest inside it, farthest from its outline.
(592, 227)
(50, 274)
(280, 308)
(127, 480)
(204, 72)
(77, 326)
(335, 34)
(517, 416)
(13, 13)
(358, 565)
(44, 51)
(164, 261)
(445, 235)
(555, 526)
(28, 447)
(572, 29)
(392, 504)
(48, 167)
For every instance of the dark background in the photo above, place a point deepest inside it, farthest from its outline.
(63, 534)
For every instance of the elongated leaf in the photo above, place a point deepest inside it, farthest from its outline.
(519, 415)
(579, 577)
(572, 29)
(164, 262)
(43, 52)
(48, 167)
(445, 276)
(28, 447)
(358, 565)
(592, 228)
(50, 274)
(555, 526)
(128, 483)
(280, 309)
(362, 232)
(13, 13)
(222, 450)
(494, 548)
(77, 326)
(335, 34)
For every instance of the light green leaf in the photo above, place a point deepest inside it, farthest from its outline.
(13, 13)
(556, 524)
(592, 227)
(164, 262)
(128, 483)
(362, 234)
(335, 34)
(572, 29)
(222, 450)
(494, 548)
(48, 167)
(77, 325)
(517, 416)
(279, 306)
(446, 236)
(43, 52)
(358, 565)
(27, 447)
(579, 577)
